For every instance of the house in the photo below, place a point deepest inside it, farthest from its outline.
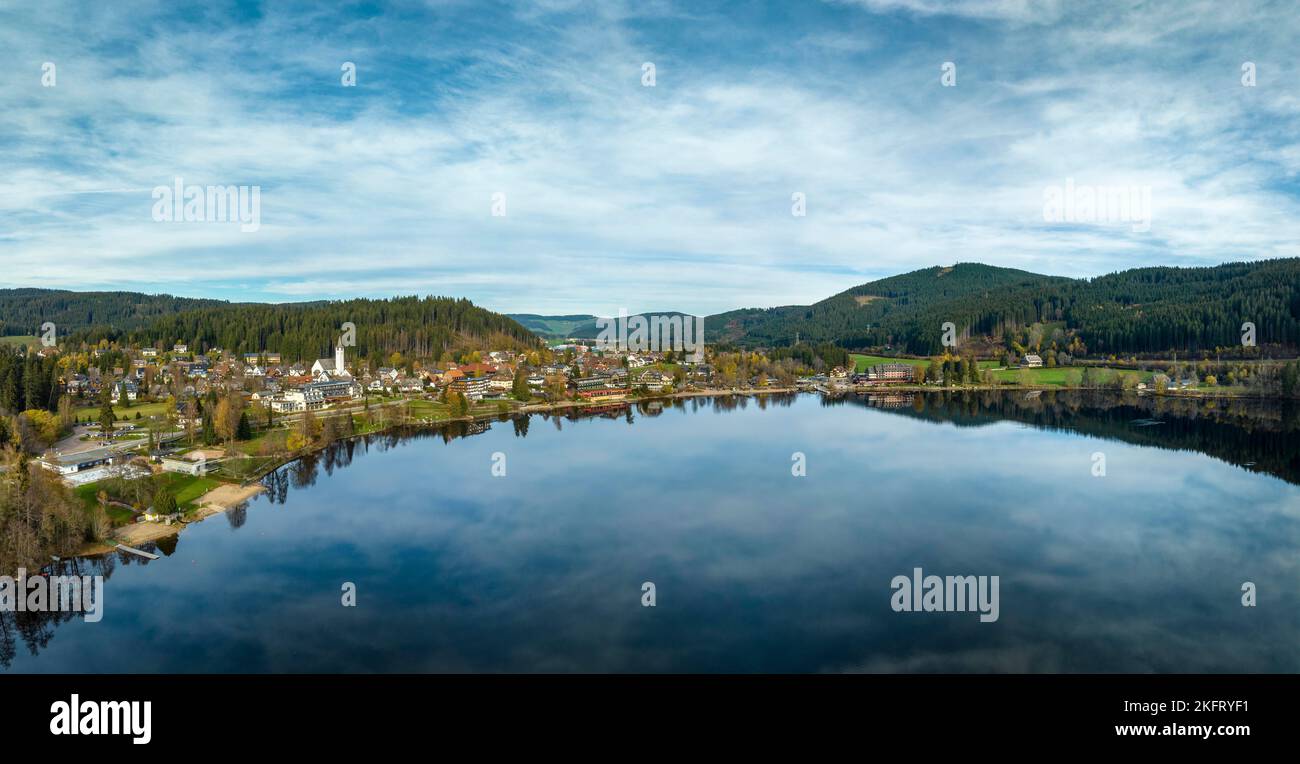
(184, 466)
(410, 385)
(180, 348)
(77, 384)
(127, 388)
(501, 382)
(653, 380)
(1032, 361)
(149, 352)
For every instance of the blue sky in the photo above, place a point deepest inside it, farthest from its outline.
(617, 195)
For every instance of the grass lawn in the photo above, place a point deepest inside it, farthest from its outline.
(88, 494)
(27, 340)
(243, 468)
(435, 410)
(125, 415)
(422, 408)
(1057, 376)
(187, 488)
(861, 362)
(1039, 376)
(253, 446)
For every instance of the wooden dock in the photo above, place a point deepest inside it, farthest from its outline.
(141, 552)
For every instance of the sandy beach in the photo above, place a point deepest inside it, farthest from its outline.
(216, 501)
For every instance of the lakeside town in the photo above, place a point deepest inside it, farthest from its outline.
(150, 438)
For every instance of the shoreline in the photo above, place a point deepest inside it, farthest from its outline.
(229, 495)
(220, 499)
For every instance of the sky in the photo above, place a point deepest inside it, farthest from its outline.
(518, 154)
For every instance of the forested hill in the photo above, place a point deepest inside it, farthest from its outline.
(413, 326)
(22, 311)
(1140, 310)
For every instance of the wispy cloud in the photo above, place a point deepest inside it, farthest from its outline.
(676, 196)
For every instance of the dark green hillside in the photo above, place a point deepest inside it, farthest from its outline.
(1141, 310)
(22, 311)
(413, 326)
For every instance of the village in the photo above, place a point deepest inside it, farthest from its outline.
(156, 437)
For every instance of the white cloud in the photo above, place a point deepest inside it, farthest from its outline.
(672, 197)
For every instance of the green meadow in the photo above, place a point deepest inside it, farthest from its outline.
(861, 362)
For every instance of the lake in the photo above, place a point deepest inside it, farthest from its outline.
(541, 569)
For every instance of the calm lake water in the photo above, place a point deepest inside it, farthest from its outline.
(755, 570)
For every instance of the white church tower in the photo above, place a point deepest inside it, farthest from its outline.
(338, 358)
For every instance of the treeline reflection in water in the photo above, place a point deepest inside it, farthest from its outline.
(1260, 435)
(303, 472)
(34, 630)
(1257, 435)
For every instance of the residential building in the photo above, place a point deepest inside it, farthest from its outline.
(473, 388)
(302, 399)
(888, 372)
(653, 380)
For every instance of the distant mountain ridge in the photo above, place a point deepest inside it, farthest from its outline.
(552, 327)
(1139, 310)
(576, 326)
